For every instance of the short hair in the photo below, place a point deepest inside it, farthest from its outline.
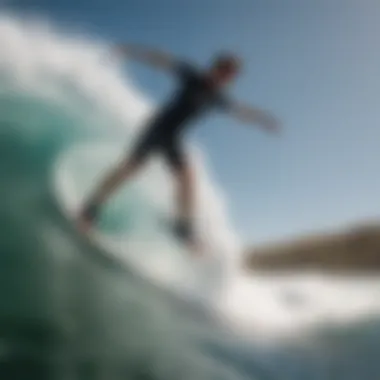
(227, 60)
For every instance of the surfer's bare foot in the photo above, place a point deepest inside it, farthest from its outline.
(87, 217)
(83, 225)
(195, 248)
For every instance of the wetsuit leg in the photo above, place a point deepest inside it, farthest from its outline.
(148, 142)
(175, 156)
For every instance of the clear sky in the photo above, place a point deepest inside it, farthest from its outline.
(315, 63)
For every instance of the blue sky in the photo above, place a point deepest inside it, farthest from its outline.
(315, 63)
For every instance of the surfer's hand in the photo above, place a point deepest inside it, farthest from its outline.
(271, 123)
(146, 55)
(253, 115)
(118, 52)
(265, 119)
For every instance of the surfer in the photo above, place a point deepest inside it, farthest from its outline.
(199, 91)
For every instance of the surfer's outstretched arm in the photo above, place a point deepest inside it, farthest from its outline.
(149, 56)
(253, 115)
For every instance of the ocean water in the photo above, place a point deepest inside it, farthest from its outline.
(132, 303)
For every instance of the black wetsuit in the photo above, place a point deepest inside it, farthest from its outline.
(164, 133)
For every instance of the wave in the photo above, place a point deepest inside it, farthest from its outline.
(67, 112)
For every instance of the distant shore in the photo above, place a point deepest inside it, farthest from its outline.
(355, 249)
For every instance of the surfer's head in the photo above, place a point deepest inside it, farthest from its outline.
(225, 68)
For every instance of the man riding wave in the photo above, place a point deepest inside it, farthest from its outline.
(199, 91)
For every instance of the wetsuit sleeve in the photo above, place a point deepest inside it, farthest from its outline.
(185, 71)
(224, 103)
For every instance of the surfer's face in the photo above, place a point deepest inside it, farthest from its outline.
(226, 75)
(224, 71)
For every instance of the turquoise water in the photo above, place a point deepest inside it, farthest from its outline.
(134, 305)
